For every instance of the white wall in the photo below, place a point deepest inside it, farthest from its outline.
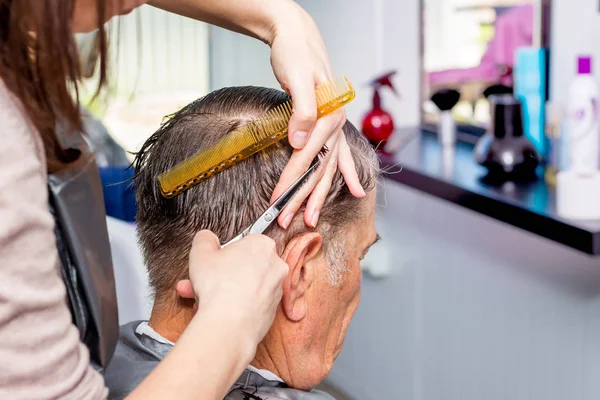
(474, 309)
(364, 38)
(575, 31)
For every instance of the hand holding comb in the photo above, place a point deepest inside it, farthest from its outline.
(253, 137)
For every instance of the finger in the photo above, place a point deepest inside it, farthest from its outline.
(184, 289)
(287, 215)
(205, 242)
(304, 98)
(301, 159)
(284, 270)
(278, 296)
(319, 194)
(261, 243)
(292, 208)
(276, 292)
(348, 169)
(261, 247)
(325, 75)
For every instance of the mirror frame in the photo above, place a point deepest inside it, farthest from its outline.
(467, 132)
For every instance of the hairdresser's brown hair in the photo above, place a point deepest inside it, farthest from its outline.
(39, 63)
(228, 202)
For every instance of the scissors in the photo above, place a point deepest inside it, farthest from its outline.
(269, 216)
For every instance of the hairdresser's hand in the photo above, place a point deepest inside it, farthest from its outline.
(300, 62)
(242, 282)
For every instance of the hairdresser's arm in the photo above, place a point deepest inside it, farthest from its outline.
(204, 363)
(300, 62)
(237, 290)
(256, 18)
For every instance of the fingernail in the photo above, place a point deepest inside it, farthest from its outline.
(315, 219)
(362, 193)
(287, 221)
(299, 139)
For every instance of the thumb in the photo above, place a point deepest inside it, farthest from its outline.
(303, 119)
(205, 242)
(184, 289)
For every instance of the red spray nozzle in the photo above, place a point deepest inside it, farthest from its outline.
(384, 80)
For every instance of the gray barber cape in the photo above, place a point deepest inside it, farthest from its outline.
(137, 354)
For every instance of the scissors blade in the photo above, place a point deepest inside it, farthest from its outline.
(282, 201)
(267, 218)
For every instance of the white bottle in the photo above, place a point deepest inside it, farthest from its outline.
(578, 187)
(584, 120)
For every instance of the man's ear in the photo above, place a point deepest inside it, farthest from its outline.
(298, 254)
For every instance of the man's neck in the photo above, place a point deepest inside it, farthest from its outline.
(270, 356)
(170, 322)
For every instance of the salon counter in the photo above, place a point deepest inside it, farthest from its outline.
(472, 305)
(421, 163)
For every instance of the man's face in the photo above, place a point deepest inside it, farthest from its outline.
(317, 342)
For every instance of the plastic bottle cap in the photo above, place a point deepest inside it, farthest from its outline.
(584, 65)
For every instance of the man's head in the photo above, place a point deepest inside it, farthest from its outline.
(322, 289)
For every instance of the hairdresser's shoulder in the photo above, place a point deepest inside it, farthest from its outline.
(17, 133)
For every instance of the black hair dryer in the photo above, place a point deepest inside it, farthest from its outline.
(504, 150)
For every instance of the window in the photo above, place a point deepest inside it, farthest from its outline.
(469, 46)
(159, 64)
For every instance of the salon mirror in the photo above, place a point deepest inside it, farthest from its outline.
(469, 46)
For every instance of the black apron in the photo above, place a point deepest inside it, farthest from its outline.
(77, 204)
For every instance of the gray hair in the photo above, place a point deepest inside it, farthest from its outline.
(336, 261)
(231, 200)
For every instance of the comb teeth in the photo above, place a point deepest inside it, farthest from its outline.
(253, 137)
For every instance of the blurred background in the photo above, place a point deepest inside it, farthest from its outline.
(160, 63)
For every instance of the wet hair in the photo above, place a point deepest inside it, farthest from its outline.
(39, 63)
(228, 202)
